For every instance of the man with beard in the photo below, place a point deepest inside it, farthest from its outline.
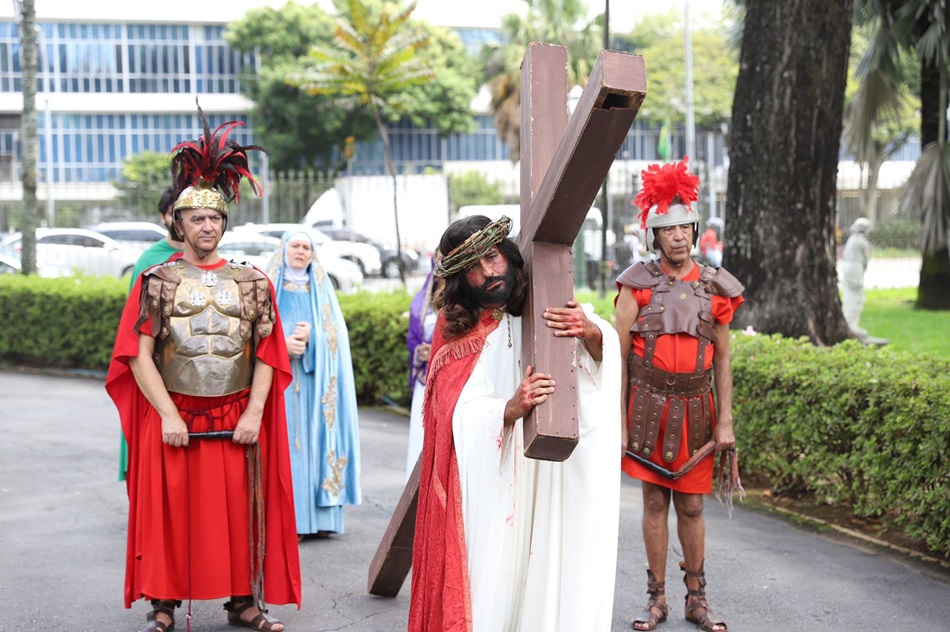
(673, 320)
(503, 542)
(159, 252)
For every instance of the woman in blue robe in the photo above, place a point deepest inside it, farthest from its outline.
(321, 401)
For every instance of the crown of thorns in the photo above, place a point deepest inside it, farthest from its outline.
(473, 248)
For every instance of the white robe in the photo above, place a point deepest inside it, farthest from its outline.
(541, 537)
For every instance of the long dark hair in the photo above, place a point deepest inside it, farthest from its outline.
(456, 299)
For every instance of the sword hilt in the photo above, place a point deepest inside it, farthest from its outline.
(212, 434)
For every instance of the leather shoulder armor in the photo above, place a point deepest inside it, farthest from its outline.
(722, 283)
(256, 304)
(159, 284)
(642, 275)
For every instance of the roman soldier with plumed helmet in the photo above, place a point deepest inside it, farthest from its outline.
(198, 374)
(673, 318)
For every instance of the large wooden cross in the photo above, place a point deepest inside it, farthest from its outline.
(563, 163)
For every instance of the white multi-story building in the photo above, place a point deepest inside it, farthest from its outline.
(117, 78)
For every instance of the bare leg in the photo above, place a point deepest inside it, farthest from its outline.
(656, 535)
(691, 528)
(656, 530)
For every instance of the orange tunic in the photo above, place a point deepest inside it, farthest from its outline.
(677, 353)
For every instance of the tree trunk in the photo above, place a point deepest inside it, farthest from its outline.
(933, 291)
(869, 194)
(387, 155)
(30, 143)
(787, 121)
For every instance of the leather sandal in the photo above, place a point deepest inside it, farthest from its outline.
(166, 607)
(654, 613)
(236, 606)
(704, 618)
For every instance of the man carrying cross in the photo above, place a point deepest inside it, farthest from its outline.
(504, 542)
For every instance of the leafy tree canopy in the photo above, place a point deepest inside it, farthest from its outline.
(301, 129)
(297, 129)
(660, 39)
(144, 176)
(472, 187)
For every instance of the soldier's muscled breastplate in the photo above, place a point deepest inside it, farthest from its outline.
(204, 353)
(204, 319)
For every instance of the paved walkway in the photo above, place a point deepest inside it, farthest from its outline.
(62, 542)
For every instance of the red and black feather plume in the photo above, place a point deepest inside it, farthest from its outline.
(214, 160)
(663, 184)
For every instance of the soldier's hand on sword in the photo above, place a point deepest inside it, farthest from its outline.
(247, 428)
(174, 431)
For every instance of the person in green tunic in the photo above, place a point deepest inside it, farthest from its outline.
(159, 252)
(163, 249)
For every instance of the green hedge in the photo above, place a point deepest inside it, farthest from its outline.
(378, 324)
(849, 424)
(71, 323)
(66, 323)
(896, 233)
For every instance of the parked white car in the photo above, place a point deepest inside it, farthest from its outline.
(10, 264)
(366, 256)
(82, 251)
(258, 250)
(139, 235)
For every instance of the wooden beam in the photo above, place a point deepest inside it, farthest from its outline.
(563, 164)
(393, 557)
(553, 211)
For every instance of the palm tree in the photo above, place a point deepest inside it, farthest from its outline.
(561, 22)
(920, 27)
(881, 114)
(371, 65)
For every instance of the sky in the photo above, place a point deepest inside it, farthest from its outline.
(483, 13)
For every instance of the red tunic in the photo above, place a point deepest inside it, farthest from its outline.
(441, 600)
(677, 353)
(188, 507)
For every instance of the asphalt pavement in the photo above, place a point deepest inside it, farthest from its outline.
(63, 525)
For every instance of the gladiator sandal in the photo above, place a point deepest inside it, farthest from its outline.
(696, 601)
(165, 607)
(236, 607)
(654, 613)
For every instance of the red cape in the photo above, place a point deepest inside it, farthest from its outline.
(281, 554)
(440, 598)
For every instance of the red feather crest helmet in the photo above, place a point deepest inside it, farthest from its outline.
(208, 170)
(666, 186)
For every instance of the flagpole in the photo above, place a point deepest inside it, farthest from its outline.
(690, 118)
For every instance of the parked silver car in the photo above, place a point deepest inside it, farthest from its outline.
(366, 256)
(258, 250)
(80, 250)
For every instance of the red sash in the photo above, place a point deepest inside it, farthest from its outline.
(441, 599)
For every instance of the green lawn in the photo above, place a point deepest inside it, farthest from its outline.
(890, 314)
(887, 314)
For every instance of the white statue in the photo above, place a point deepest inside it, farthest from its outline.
(857, 251)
